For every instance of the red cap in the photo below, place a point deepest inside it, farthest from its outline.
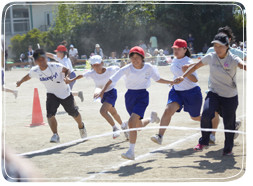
(137, 50)
(61, 48)
(179, 43)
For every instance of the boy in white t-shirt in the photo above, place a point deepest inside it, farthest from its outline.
(137, 80)
(58, 92)
(100, 76)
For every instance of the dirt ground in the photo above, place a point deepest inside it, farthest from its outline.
(99, 159)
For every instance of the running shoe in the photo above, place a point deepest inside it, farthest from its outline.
(157, 139)
(83, 132)
(200, 147)
(128, 155)
(80, 95)
(237, 126)
(55, 139)
(212, 139)
(116, 133)
(154, 118)
(227, 153)
(124, 127)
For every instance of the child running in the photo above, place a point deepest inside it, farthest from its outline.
(62, 57)
(186, 94)
(100, 76)
(58, 92)
(222, 95)
(137, 80)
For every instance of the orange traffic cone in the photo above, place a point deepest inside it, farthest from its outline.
(37, 118)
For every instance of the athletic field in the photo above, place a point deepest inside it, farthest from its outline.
(99, 158)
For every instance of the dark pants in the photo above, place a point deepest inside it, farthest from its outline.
(226, 107)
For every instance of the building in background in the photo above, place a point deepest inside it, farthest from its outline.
(19, 19)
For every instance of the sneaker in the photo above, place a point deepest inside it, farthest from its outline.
(212, 139)
(83, 132)
(80, 95)
(154, 118)
(15, 94)
(237, 126)
(128, 155)
(157, 139)
(55, 139)
(228, 153)
(124, 127)
(200, 147)
(116, 133)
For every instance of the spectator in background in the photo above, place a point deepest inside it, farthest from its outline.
(30, 55)
(125, 51)
(65, 43)
(205, 48)
(153, 43)
(190, 39)
(166, 51)
(73, 54)
(143, 46)
(191, 48)
(98, 51)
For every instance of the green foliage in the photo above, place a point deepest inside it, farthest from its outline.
(116, 25)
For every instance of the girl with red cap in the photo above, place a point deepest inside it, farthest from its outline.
(137, 79)
(186, 94)
(62, 57)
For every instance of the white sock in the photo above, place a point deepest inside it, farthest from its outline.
(123, 125)
(114, 127)
(131, 147)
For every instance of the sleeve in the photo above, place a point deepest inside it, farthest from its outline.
(56, 58)
(206, 59)
(87, 74)
(32, 73)
(115, 77)
(237, 60)
(155, 74)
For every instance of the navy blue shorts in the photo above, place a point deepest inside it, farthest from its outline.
(71, 76)
(110, 97)
(137, 101)
(191, 100)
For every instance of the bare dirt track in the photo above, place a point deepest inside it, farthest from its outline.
(99, 159)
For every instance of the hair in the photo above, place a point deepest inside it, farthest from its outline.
(131, 55)
(228, 31)
(38, 52)
(187, 53)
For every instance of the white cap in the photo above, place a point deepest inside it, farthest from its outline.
(71, 46)
(96, 59)
(97, 45)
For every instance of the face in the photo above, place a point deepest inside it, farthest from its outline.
(179, 52)
(137, 61)
(60, 54)
(98, 67)
(41, 62)
(221, 50)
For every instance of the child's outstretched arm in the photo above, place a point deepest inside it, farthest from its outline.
(25, 78)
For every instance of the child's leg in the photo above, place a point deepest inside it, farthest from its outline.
(168, 113)
(215, 122)
(132, 123)
(196, 118)
(79, 121)
(104, 112)
(115, 115)
(53, 124)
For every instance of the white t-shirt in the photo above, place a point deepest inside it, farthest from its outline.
(101, 79)
(65, 61)
(53, 79)
(136, 79)
(219, 81)
(176, 69)
(73, 52)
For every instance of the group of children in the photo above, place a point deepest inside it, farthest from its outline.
(222, 96)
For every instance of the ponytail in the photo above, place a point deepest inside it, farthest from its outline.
(188, 53)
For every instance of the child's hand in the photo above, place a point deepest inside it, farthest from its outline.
(97, 95)
(185, 67)
(67, 80)
(178, 80)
